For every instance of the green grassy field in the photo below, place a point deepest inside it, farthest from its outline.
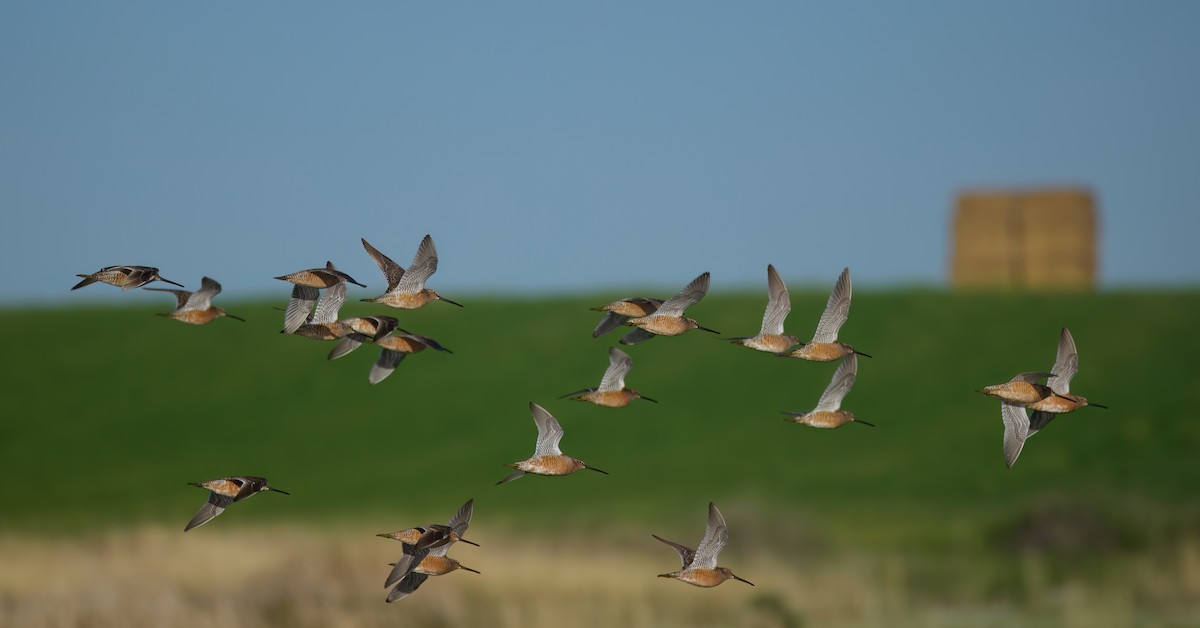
(110, 411)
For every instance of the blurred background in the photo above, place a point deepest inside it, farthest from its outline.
(990, 174)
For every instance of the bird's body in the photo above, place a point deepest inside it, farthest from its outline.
(771, 338)
(699, 566)
(668, 319)
(124, 277)
(1022, 389)
(406, 289)
(1059, 404)
(824, 346)
(319, 278)
(610, 398)
(824, 419)
(225, 491)
(821, 351)
(196, 308)
(612, 392)
(828, 413)
(549, 465)
(547, 458)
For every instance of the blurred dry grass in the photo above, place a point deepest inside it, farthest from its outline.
(159, 577)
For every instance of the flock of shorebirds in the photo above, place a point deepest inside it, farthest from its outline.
(315, 314)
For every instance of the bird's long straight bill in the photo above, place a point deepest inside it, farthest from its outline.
(743, 580)
(450, 302)
(595, 469)
(1096, 405)
(465, 568)
(275, 490)
(711, 331)
(861, 353)
(236, 318)
(648, 399)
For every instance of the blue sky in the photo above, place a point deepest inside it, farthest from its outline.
(567, 146)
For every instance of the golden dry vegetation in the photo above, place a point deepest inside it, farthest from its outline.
(154, 576)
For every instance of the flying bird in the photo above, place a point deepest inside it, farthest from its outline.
(307, 288)
(612, 392)
(617, 312)
(393, 349)
(668, 319)
(406, 289)
(700, 565)
(425, 546)
(824, 346)
(196, 308)
(770, 337)
(547, 458)
(1018, 425)
(828, 413)
(124, 277)
(225, 491)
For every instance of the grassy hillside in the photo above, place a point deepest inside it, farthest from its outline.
(110, 411)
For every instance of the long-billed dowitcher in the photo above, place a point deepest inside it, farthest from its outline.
(1066, 364)
(124, 277)
(547, 458)
(668, 319)
(393, 349)
(617, 312)
(224, 491)
(824, 346)
(612, 392)
(406, 289)
(418, 565)
(828, 412)
(196, 308)
(429, 537)
(770, 337)
(700, 565)
(436, 534)
(308, 284)
(1023, 389)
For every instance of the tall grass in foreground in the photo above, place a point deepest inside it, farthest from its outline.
(288, 576)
